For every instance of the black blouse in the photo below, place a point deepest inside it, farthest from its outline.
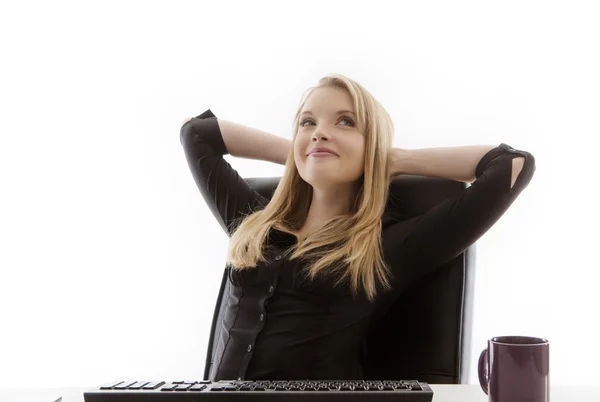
(279, 326)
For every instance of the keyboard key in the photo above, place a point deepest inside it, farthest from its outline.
(138, 384)
(124, 385)
(153, 385)
(182, 387)
(169, 387)
(110, 385)
(197, 387)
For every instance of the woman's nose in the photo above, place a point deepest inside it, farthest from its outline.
(319, 135)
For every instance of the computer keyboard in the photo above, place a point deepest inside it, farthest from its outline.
(253, 391)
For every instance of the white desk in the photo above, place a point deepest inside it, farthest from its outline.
(441, 393)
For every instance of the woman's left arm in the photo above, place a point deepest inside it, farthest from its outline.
(498, 175)
(454, 163)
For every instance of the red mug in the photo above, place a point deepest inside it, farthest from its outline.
(515, 369)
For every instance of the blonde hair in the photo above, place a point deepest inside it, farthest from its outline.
(348, 247)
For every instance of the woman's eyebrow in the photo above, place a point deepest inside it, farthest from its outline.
(338, 112)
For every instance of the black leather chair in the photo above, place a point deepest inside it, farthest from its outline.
(426, 334)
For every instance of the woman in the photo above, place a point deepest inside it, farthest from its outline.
(311, 267)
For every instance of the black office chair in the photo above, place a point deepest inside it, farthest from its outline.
(426, 334)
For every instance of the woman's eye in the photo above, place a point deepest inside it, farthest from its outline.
(345, 118)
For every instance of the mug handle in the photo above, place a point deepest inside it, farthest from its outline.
(484, 375)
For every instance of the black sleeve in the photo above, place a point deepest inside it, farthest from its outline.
(228, 196)
(449, 228)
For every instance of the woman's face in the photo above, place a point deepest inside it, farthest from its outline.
(324, 127)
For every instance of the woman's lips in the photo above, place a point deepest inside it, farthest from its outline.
(320, 154)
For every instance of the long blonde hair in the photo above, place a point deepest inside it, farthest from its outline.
(347, 247)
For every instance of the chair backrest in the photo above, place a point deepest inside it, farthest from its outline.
(426, 334)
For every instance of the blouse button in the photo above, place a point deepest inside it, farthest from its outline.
(262, 317)
(271, 289)
(278, 258)
(249, 348)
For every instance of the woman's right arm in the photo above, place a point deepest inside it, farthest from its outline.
(248, 142)
(205, 140)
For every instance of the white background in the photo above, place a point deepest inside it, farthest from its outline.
(110, 259)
